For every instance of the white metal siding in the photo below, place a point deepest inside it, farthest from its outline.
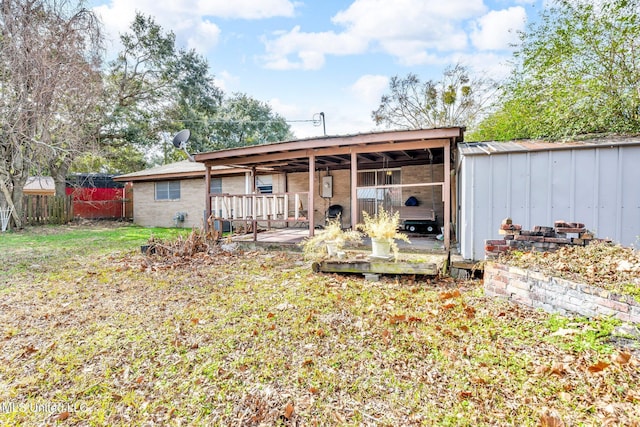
(598, 186)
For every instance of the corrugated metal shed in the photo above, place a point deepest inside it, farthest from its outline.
(595, 181)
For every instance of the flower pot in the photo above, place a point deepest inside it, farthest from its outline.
(381, 248)
(332, 248)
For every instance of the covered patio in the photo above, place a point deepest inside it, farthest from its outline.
(350, 174)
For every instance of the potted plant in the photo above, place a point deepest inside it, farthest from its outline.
(382, 228)
(329, 241)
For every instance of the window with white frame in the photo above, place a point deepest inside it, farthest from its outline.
(168, 190)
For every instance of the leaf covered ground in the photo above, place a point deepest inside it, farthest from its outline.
(257, 338)
(609, 266)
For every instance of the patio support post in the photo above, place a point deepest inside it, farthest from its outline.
(446, 194)
(254, 214)
(207, 192)
(312, 185)
(355, 215)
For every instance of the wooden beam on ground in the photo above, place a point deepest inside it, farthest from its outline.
(427, 268)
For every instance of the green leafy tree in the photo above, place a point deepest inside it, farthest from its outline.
(576, 71)
(242, 121)
(457, 100)
(153, 89)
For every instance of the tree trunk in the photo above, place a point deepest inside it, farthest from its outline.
(59, 174)
(14, 198)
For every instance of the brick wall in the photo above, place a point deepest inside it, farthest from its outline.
(149, 212)
(539, 239)
(299, 181)
(430, 196)
(556, 295)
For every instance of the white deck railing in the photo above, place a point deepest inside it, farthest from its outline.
(267, 207)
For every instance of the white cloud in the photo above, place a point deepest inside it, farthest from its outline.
(369, 88)
(204, 35)
(225, 81)
(499, 28)
(189, 19)
(245, 9)
(409, 30)
(308, 49)
(288, 111)
(490, 64)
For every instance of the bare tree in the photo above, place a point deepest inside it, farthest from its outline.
(457, 100)
(49, 89)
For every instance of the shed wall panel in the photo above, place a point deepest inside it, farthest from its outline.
(598, 186)
(630, 211)
(519, 182)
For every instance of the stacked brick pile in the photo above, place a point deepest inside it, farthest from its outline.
(540, 239)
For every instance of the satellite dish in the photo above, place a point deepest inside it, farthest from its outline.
(180, 141)
(181, 138)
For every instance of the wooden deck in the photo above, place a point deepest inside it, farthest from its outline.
(432, 264)
(424, 255)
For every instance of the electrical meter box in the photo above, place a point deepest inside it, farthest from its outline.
(327, 187)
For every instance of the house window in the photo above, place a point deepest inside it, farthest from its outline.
(216, 186)
(168, 190)
(265, 184)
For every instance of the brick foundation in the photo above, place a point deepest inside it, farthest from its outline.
(556, 295)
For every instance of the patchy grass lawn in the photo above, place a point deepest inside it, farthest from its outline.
(117, 338)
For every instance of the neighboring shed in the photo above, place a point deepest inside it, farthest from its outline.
(595, 182)
(40, 186)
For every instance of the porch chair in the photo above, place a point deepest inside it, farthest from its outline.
(334, 212)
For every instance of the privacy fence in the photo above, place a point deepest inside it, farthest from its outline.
(39, 209)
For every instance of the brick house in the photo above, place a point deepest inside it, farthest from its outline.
(173, 195)
(352, 173)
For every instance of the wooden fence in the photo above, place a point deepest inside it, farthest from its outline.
(38, 209)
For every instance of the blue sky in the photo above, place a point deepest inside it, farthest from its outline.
(331, 56)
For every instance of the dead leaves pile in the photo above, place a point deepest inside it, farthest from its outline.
(601, 264)
(197, 242)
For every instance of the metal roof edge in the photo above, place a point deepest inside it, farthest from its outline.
(504, 147)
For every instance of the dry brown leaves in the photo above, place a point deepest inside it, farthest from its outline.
(600, 264)
(218, 338)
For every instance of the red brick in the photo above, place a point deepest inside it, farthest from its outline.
(616, 305)
(529, 238)
(495, 242)
(542, 229)
(570, 230)
(511, 227)
(561, 224)
(557, 240)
